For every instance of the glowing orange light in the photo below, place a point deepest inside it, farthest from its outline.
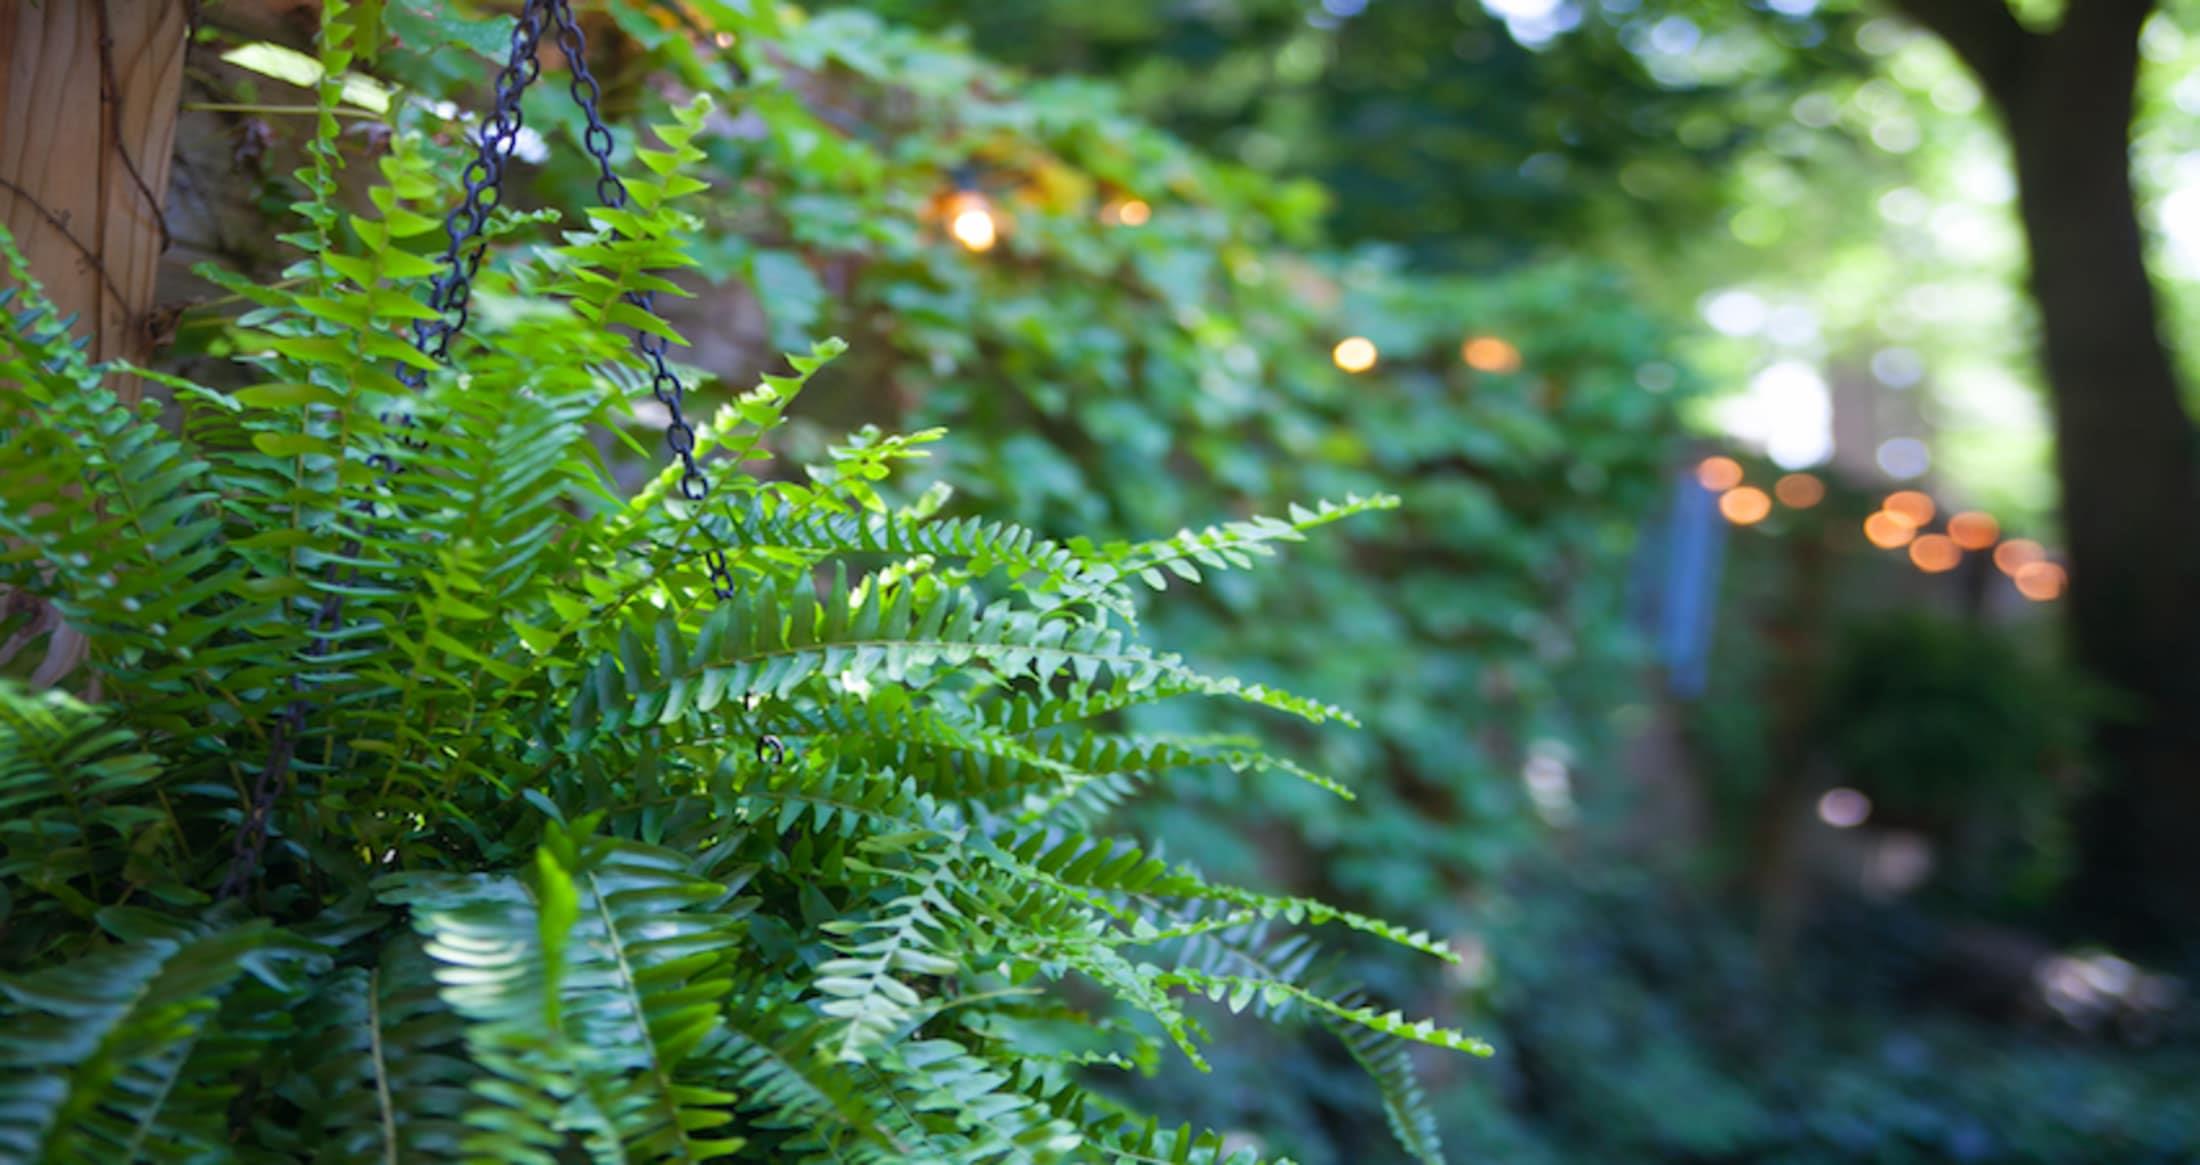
(1746, 506)
(1719, 474)
(1910, 506)
(1354, 354)
(2041, 581)
(1887, 532)
(2013, 555)
(1973, 530)
(970, 219)
(1490, 354)
(1133, 213)
(1799, 491)
(1936, 553)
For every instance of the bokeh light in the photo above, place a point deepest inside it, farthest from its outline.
(2015, 554)
(1844, 808)
(1909, 505)
(1973, 530)
(1799, 491)
(1887, 532)
(1905, 457)
(1745, 506)
(2041, 581)
(1719, 474)
(1936, 554)
(1354, 354)
(1490, 354)
(970, 219)
(1133, 212)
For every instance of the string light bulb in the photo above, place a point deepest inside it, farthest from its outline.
(1718, 474)
(1490, 354)
(1745, 506)
(2041, 581)
(1973, 530)
(2017, 553)
(1935, 554)
(1799, 491)
(1354, 354)
(1909, 505)
(1888, 532)
(970, 219)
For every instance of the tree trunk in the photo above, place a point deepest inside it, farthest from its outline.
(2124, 442)
(88, 107)
(2130, 477)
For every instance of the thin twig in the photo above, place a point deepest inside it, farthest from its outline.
(110, 102)
(62, 225)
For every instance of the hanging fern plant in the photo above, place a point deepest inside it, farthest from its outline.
(434, 807)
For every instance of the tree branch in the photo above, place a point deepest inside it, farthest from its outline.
(1985, 34)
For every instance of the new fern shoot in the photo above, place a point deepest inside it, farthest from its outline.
(572, 859)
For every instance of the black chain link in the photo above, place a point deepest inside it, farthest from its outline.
(664, 383)
(451, 296)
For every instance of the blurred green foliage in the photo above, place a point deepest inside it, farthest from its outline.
(1936, 716)
(1634, 1024)
(1132, 377)
(1442, 125)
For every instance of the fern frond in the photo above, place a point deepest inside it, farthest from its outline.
(587, 988)
(68, 775)
(1230, 545)
(1236, 991)
(1032, 562)
(772, 642)
(1405, 1103)
(101, 1051)
(866, 987)
(998, 1122)
(383, 1072)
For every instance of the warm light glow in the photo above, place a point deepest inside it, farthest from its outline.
(970, 219)
(1909, 505)
(2041, 581)
(1844, 808)
(1936, 553)
(1887, 532)
(1746, 506)
(1490, 354)
(1356, 354)
(2013, 555)
(1719, 474)
(1799, 491)
(1973, 530)
(1133, 213)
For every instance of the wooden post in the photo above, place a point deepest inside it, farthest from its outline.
(88, 105)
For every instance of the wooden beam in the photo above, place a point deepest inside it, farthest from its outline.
(88, 105)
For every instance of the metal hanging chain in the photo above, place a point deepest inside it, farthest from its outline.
(664, 383)
(450, 296)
